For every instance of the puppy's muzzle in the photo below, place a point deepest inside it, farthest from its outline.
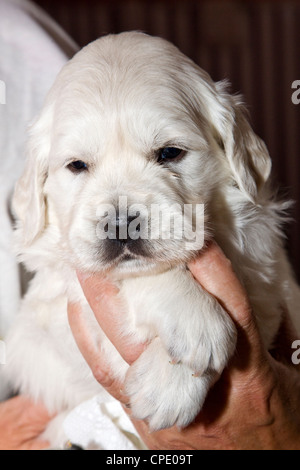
(123, 237)
(125, 229)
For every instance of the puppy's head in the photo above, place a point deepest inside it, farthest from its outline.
(129, 149)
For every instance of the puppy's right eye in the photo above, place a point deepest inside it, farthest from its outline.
(168, 154)
(77, 166)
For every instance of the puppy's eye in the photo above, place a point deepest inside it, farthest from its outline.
(77, 166)
(169, 153)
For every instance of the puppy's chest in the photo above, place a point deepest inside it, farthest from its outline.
(139, 300)
(148, 300)
(49, 316)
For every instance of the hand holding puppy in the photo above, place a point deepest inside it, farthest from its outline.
(21, 423)
(254, 404)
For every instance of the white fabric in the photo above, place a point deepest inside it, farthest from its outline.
(32, 51)
(95, 425)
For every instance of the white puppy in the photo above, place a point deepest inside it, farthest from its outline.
(131, 121)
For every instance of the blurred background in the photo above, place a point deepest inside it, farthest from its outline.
(254, 44)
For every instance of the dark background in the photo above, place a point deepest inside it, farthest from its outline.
(255, 44)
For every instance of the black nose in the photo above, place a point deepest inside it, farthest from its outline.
(124, 232)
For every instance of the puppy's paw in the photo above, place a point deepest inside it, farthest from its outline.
(205, 342)
(162, 393)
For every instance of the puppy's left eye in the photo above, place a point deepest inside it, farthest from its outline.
(77, 166)
(170, 153)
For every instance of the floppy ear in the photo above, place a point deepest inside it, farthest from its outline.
(246, 153)
(28, 204)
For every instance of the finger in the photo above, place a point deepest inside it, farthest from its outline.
(35, 445)
(37, 413)
(102, 296)
(21, 407)
(215, 274)
(92, 353)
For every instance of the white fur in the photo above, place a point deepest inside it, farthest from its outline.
(113, 105)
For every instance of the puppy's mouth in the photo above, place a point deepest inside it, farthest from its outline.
(127, 257)
(135, 243)
(117, 252)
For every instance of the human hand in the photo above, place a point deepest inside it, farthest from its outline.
(254, 405)
(21, 423)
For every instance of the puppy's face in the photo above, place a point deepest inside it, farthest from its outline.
(127, 156)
